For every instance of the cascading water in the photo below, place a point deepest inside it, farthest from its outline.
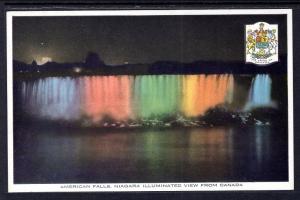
(54, 98)
(260, 92)
(125, 97)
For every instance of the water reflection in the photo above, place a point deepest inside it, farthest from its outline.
(215, 154)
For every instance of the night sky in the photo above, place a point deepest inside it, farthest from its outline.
(136, 39)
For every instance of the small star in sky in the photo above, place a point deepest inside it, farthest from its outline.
(43, 43)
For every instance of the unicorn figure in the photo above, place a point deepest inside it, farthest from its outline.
(272, 41)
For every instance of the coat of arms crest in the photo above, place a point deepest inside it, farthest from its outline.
(261, 43)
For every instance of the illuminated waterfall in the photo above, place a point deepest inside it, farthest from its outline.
(201, 92)
(125, 97)
(54, 98)
(260, 92)
(156, 96)
(107, 96)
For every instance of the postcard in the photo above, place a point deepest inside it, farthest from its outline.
(150, 100)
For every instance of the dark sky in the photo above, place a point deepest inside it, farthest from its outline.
(136, 39)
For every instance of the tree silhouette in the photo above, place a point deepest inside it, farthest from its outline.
(34, 63)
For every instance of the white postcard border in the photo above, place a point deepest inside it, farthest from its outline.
(130, 187)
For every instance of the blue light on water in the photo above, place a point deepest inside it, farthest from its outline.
(260, 92)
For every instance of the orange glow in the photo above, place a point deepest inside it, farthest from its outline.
(201, 92)
(107, 96)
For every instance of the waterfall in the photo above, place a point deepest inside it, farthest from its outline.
(125, 97)
(53, 98)
(106, 96)
(156, 96)
(260, 92)
(202, 92)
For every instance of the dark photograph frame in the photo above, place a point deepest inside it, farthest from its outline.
(109, 118)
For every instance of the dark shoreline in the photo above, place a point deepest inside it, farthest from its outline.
(53, 69)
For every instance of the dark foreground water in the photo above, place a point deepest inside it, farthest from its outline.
(195, 155)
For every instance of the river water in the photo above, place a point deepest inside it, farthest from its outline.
(256, 153)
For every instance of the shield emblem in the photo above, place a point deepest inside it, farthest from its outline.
(261, 43)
